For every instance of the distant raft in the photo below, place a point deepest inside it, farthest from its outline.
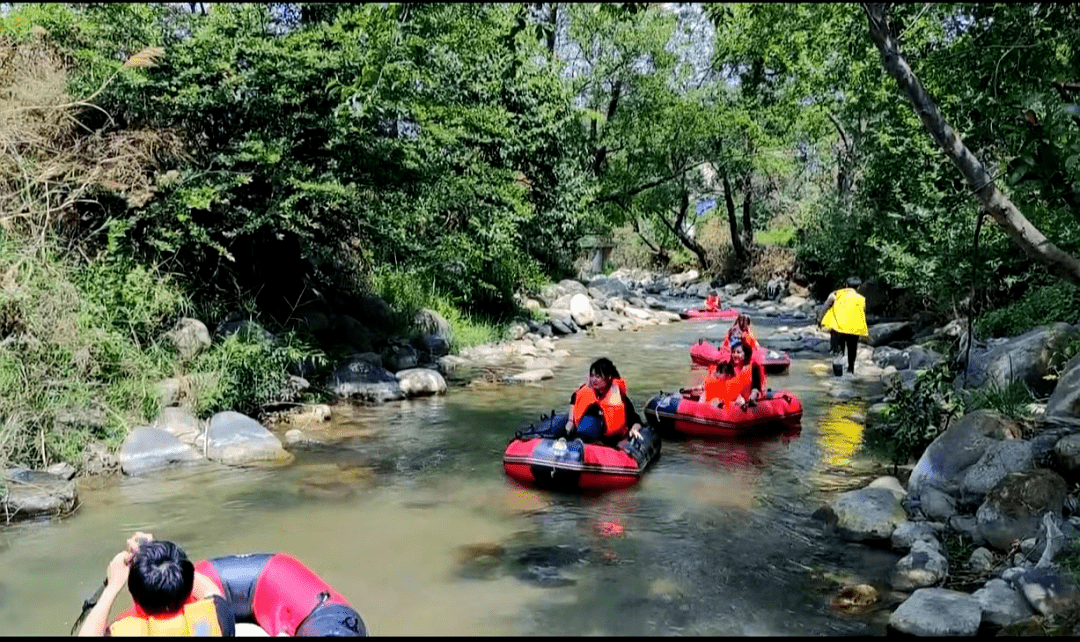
(544, 458)
(683, 413)
(702, 313)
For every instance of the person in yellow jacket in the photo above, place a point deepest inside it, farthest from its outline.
(844, 314)
(170, 597)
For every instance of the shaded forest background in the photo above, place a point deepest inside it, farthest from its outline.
(264, 161)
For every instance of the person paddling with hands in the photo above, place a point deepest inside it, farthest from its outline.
(170, 597)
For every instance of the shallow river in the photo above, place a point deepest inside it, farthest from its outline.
(412, 519)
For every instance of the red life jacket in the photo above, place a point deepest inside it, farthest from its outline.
(712, 304)
(611, 406)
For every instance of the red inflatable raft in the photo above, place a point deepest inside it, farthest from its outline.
(702, 313)
(542, 458)
(683, 413)
(281, 595)
(704, 353)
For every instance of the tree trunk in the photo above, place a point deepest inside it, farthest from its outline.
(554, 28)
(733, 221)
(600, 155)
(748, 197)
(845, 162)
(680, 233)
(1015, 224)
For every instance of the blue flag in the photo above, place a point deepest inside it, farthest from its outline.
(705, 206)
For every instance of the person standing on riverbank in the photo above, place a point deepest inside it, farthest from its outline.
(844, 314)
(170, 597)
(600, 409)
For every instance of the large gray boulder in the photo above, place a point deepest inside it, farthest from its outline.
(435, 332)
(1000, 459)
(1014, 508)
(180, 423)
(237, 440)
(937, 611)
(582, 311)
(149, 448)
(1002, 605)
(885, 333)
(1025, 358)
(32, 494)
(189, 337)
(420, 382)
(1063, 407)
(946, 460)
(921, 358)
(609, 287)
(923, 566)
(360, 379)
(867, 514)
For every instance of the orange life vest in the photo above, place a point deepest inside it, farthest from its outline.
(197, 618)
(712, 303)
(611, 406)
(728, 388)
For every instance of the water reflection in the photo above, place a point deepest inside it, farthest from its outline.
(840, 435)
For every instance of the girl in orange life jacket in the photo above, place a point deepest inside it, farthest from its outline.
(600, 410)
(739, 382)
(170, 597)
(712, 302)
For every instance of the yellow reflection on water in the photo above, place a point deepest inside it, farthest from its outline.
(840, 436)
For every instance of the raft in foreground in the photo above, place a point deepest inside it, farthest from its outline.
(683, 413)
(543, 459)
(282, 596)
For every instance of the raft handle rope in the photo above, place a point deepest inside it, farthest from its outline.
(322, 598)
(88, 604)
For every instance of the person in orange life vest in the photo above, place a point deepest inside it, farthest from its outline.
(170, 597)
(844, 314)
(712, 302)
(740, 381)
(600, 410)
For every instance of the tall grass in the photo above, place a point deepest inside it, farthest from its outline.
(77, 341)
(83, 348)
(407, 291)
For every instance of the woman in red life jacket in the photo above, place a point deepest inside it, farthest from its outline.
(600, 410)
(170, 597)
(740, 381)
(712, 302)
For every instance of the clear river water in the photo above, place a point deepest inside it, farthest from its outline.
(410, 516)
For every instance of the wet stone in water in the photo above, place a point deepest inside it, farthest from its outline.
(480, 561)
(540, 565)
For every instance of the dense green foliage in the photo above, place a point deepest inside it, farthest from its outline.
(261, 159)
(916, 414)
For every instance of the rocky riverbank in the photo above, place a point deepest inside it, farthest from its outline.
(1004, 488)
